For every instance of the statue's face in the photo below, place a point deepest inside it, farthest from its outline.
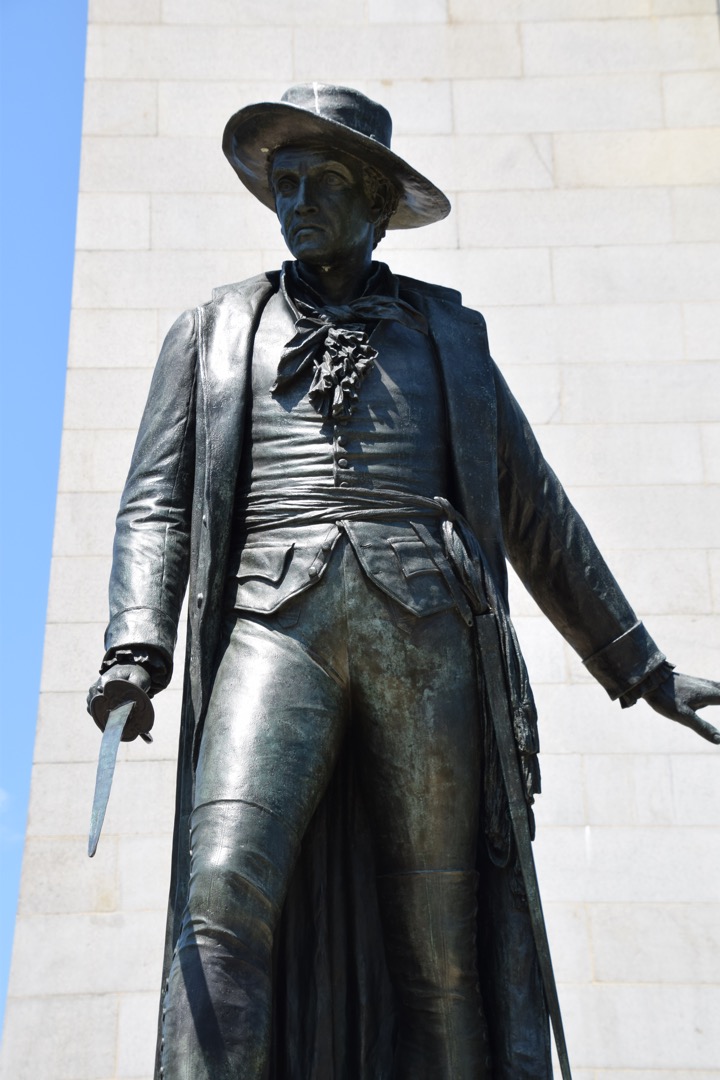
(324, 213)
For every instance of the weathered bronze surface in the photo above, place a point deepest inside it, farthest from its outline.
(333, 462)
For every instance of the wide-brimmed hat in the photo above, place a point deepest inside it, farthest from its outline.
(334, 116)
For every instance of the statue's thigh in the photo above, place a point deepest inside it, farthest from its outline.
(415, 712)
(274, 726)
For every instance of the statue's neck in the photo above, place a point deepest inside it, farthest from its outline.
(337, 284)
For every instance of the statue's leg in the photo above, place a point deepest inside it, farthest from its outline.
(271, 737)
(415, 707)
(429, 921)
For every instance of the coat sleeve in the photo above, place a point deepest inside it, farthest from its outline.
(559, 563)
(151, 553)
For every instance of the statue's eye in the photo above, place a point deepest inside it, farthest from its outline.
(284, 185)
(335, 179)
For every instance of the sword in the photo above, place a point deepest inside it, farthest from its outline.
(116, 719)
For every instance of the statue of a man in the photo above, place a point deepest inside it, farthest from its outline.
(331, 458)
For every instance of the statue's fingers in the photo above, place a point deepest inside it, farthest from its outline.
(92, 693)
(702, 727)
(701, 700)
(708, 693)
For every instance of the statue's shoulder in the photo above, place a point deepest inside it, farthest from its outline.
(247, 292)
(428, 289)
(450, 306)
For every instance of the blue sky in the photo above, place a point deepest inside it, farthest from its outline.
(42, 58)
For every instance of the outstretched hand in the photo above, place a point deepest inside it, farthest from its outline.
(679, 696)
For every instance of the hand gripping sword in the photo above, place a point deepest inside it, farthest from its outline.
(111, 708)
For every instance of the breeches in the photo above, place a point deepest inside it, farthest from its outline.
(340, 662)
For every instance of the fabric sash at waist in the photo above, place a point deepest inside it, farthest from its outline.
(313, 505)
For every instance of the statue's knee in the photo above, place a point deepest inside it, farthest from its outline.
(430, 922)
(240, 864)
(227, 904)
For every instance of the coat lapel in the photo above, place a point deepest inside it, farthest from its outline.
(227, 331)
(466, 369)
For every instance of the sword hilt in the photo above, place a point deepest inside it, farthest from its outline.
(116, 692)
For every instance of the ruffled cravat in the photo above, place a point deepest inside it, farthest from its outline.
(332, 342)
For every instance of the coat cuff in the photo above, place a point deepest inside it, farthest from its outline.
(655, 678)
(625, 662)
(147, 628)
(145, 656)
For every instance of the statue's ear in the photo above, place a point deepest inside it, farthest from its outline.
(377, 206)
(383, 198)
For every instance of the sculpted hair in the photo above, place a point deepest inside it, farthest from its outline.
(377, 186)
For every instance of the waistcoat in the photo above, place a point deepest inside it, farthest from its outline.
(382, 444)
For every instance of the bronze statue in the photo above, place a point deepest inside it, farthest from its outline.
(331, 458)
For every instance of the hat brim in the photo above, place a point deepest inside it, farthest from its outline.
(253, 133)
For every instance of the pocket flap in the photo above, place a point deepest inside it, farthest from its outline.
(413, 556)
(401, 566)
(267, 563)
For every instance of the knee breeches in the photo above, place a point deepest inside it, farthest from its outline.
(339, 663)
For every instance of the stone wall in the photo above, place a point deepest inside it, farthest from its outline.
(579, 143)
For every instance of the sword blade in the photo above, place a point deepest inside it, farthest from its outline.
(106, 767)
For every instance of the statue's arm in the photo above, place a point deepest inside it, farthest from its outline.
(151, 552)
(557, 560)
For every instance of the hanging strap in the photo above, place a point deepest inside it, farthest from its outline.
(509, 699)
(490, 646)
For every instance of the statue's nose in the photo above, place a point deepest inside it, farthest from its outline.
(304, 201)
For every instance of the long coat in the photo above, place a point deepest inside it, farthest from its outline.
(334, 1012)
